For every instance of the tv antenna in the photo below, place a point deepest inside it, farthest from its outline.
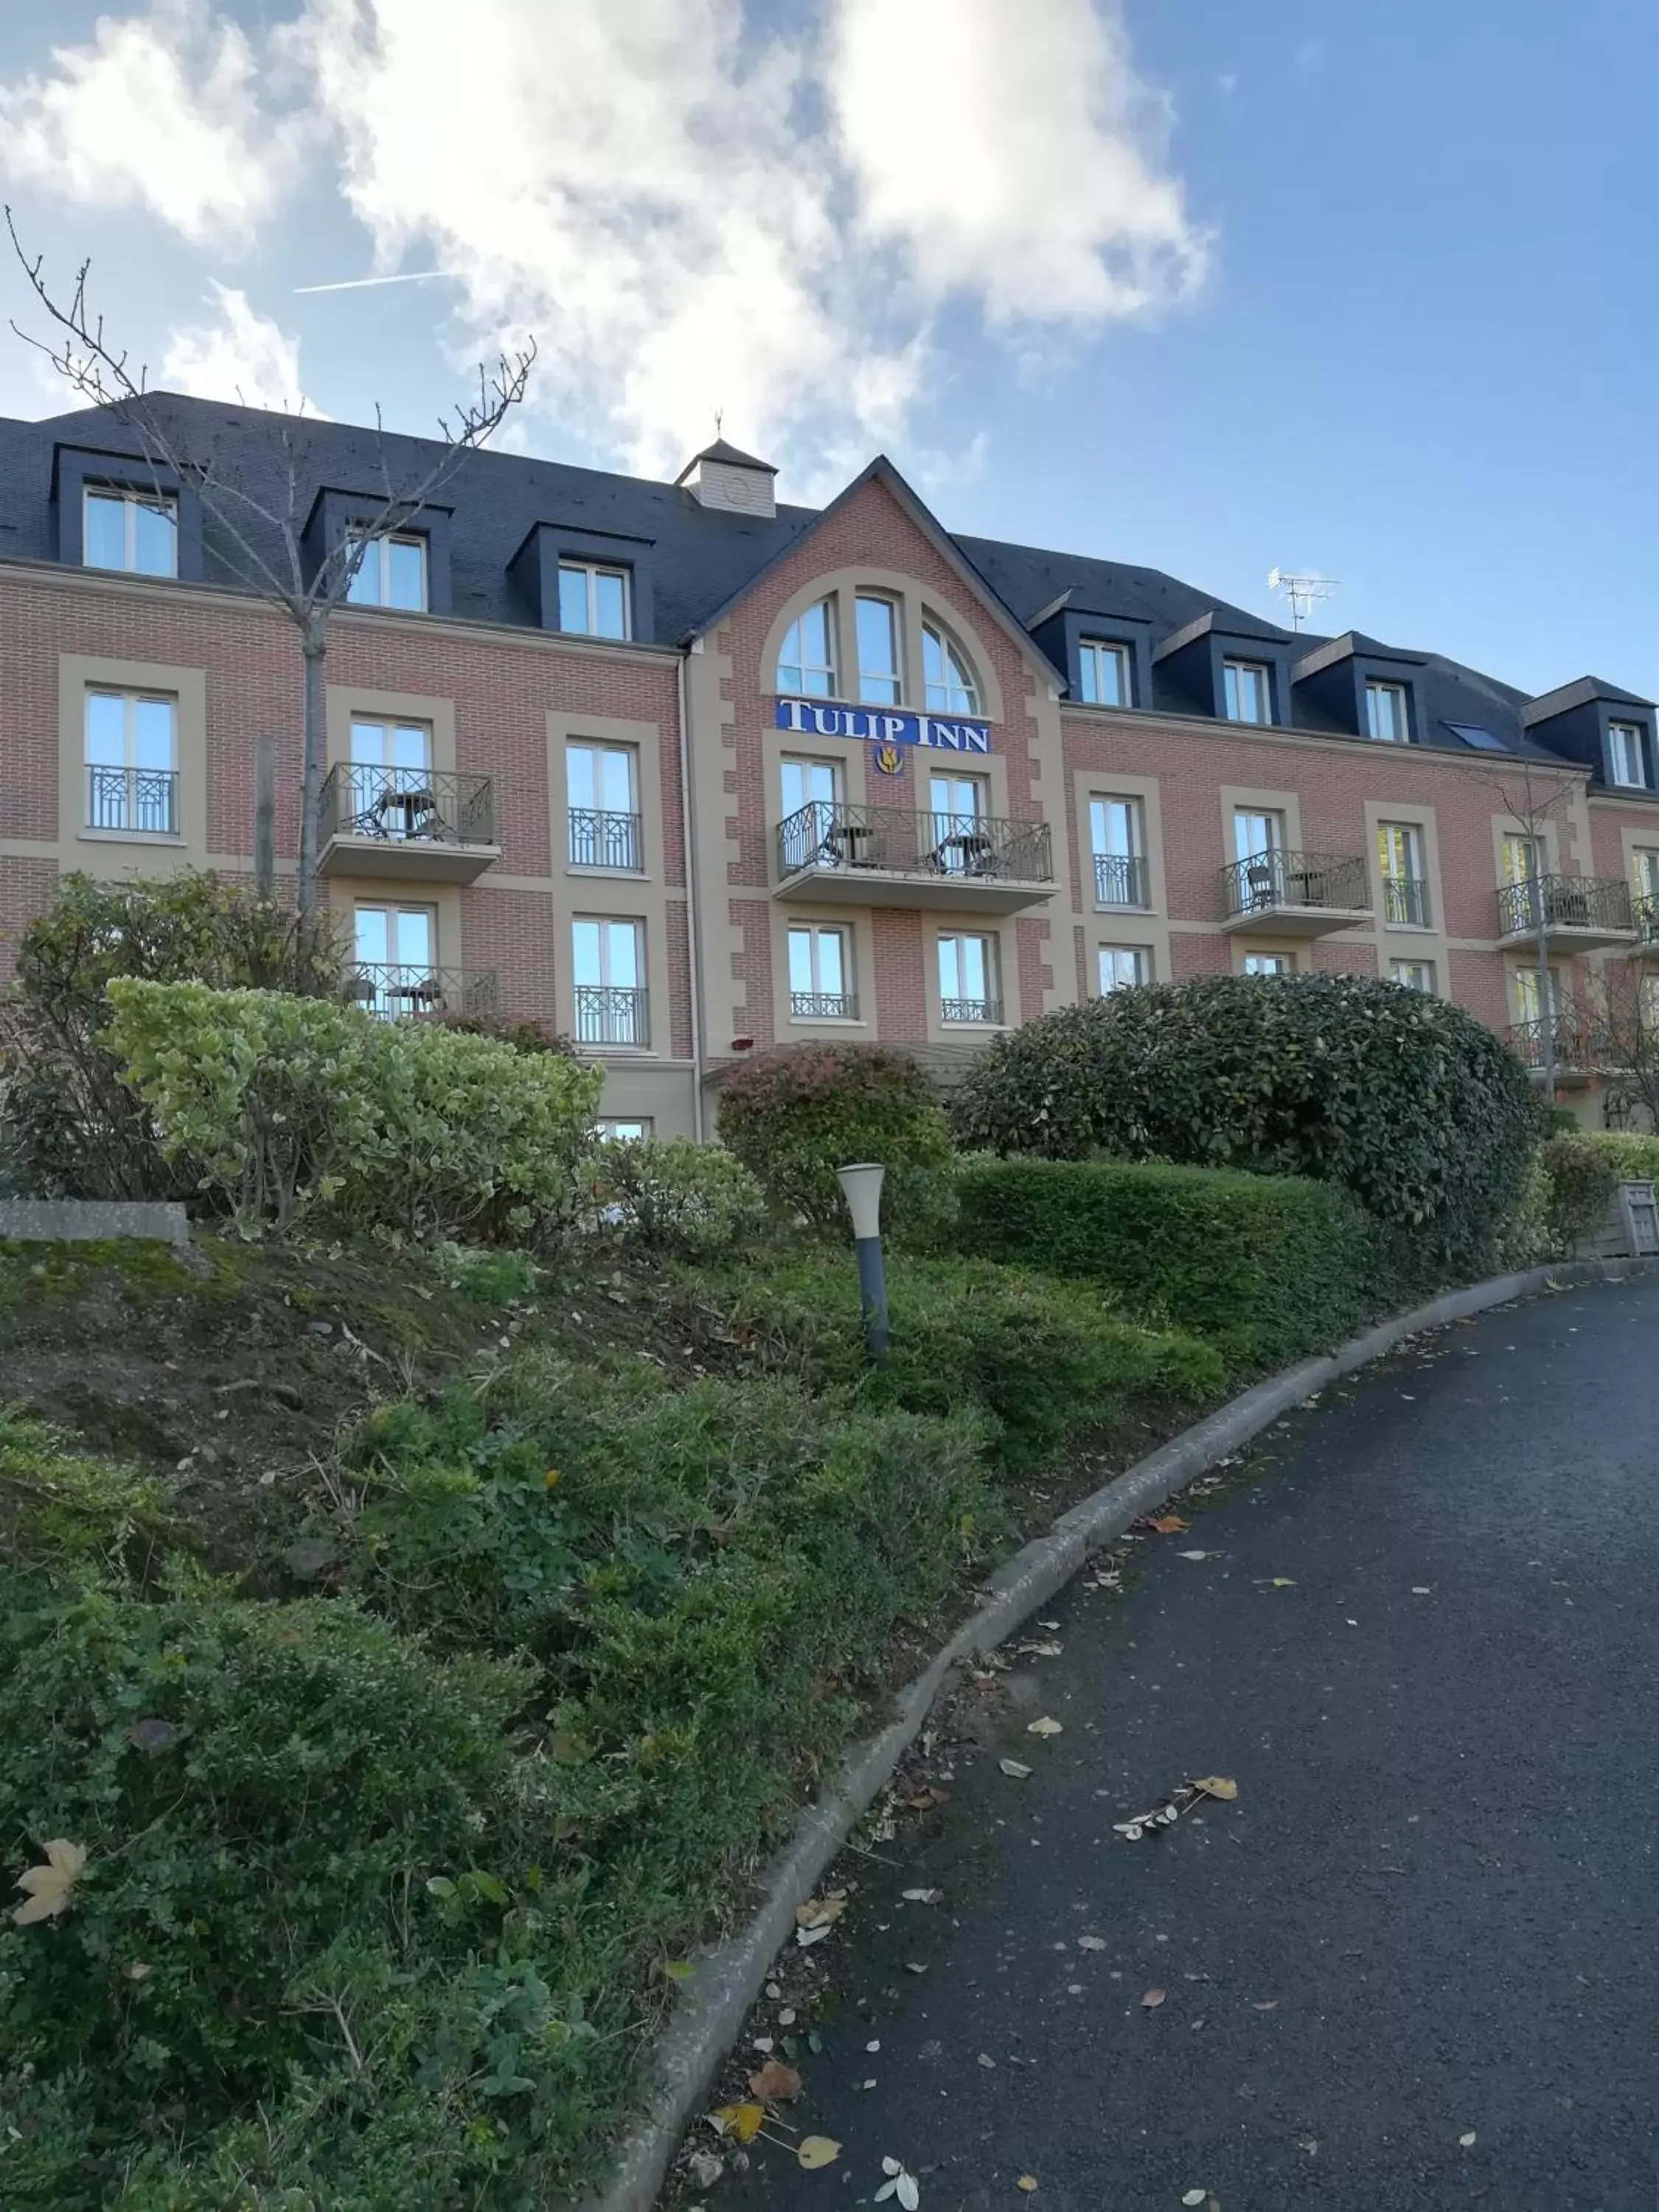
(1303, 592)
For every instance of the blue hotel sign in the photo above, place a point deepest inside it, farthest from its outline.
(881, 726)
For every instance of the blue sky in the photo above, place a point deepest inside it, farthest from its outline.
(1365, 289)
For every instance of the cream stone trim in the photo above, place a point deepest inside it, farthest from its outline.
(442, 900)
(564, 730)
(116, 854)
(1240, 799)
(1398, 940)
(610, 902)
(642, 1089)
(859, 925)
(710, 748)
(999, 926)
(351, 703)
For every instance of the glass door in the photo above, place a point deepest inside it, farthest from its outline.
(396, 948)
(957, 840)
(391, 780)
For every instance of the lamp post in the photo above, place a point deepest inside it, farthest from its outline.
(862, 1186)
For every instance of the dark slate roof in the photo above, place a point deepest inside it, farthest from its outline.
(1569, 695)
(700, 559)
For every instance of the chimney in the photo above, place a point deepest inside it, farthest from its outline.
(733, 482)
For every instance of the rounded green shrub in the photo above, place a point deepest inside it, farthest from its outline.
(1582, 1178)
(794, 1115)
(671, 1194)
(1406, 1100)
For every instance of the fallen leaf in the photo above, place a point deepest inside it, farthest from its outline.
(1049, 1651)
(988, 2062)
(925, 1799)
(1267, 2004)
(1028, 2182)
(704, 2168)
(922, 1896)
(1167, 1524)
(1419, 1590)
(51, 1888)
(1191, 1555)
(743, 2121)
(1091, 1942)
(1281, 1582)
(1193, 2196)
(1012, 1768)
(677, 1970)
(805, 1936)
(1152, 1998)
(814, 2151)
(775, 2083)
(1216, 1785)
(1467, 2142)
(819, 1912)
(899, 2184)
(1044, 1726)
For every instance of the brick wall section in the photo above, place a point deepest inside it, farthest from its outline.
(26, 887)
(901, 976)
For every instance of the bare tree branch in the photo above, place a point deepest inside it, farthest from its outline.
(261, 546)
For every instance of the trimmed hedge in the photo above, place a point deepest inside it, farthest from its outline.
(1632, 1158)
(794, 1115)
(1414, 1106)
(1269, 1267)
(1582, 1179)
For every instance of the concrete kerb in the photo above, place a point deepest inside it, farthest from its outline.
(715, 2000)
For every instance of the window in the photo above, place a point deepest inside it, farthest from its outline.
(131, 762)
(624, 1133)
(608, 981)
(1270, 964)
(593, 600)
(820, 974)
(1520, 858)
(1386, 714)
(1478, 740)
(137, 531)
(1533, 1002)
(810, 783)
(602, 803)
(1103, 673)
(392, 573)
(1413, 974)
(1122, 966)
(1118, 843)
(1255, 834)
(1405, 887)
(877, 624)
(948, 687)
(957, 838)
(390, 781)
(969, 986)
(397, 958)
(1256, 879)
(1627, 750)
(806, 661)
(1245, 688)
(1644, 866)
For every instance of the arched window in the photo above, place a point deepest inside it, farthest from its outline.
(949, 686)
(807, 659)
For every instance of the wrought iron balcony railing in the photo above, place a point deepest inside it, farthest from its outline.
(397, 989)
(1317, 882)
(1121, 879)
(1598, 903)
(973, 846)
(970, 1009)
(143, 801)
(1574, 1039)
(1406, 899)
(611, 1013)
(823, 1007)
(407, 805)
(600, 839)
(1646, 910)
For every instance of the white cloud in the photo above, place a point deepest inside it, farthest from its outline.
(157, 112)
(691, 212)
(241, 355)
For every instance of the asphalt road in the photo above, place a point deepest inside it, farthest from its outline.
(1432, 1913)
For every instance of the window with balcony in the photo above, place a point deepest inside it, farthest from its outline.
(1387, 713)
(1644, 871)
(390, 572)
(132, 756)
(602, 803)
(1270, 964)
(810, 783)
(970, 980)
(608, 982)
(129, 529)
(1413, 975)
(389, 777)
(821, 973)
(1247, 694)
(948, 682)
(593, 600)
(1123, 966)
(397, 953)
(1405, 881)
(806, 659)
(1521, 859)
(955, 833)
(1118, 843)
(875, 627)
(1627, 752)
(1102, 673)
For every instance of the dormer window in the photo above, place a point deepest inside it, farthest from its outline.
(1386, 714)
(949, 688)
(876, 626)
(1627, 755)
(593, 600)
(391, 573)
(126, 528)
(806, 659)
(1103, 673)
(1246, 691)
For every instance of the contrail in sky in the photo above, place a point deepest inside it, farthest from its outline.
(360, 283)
